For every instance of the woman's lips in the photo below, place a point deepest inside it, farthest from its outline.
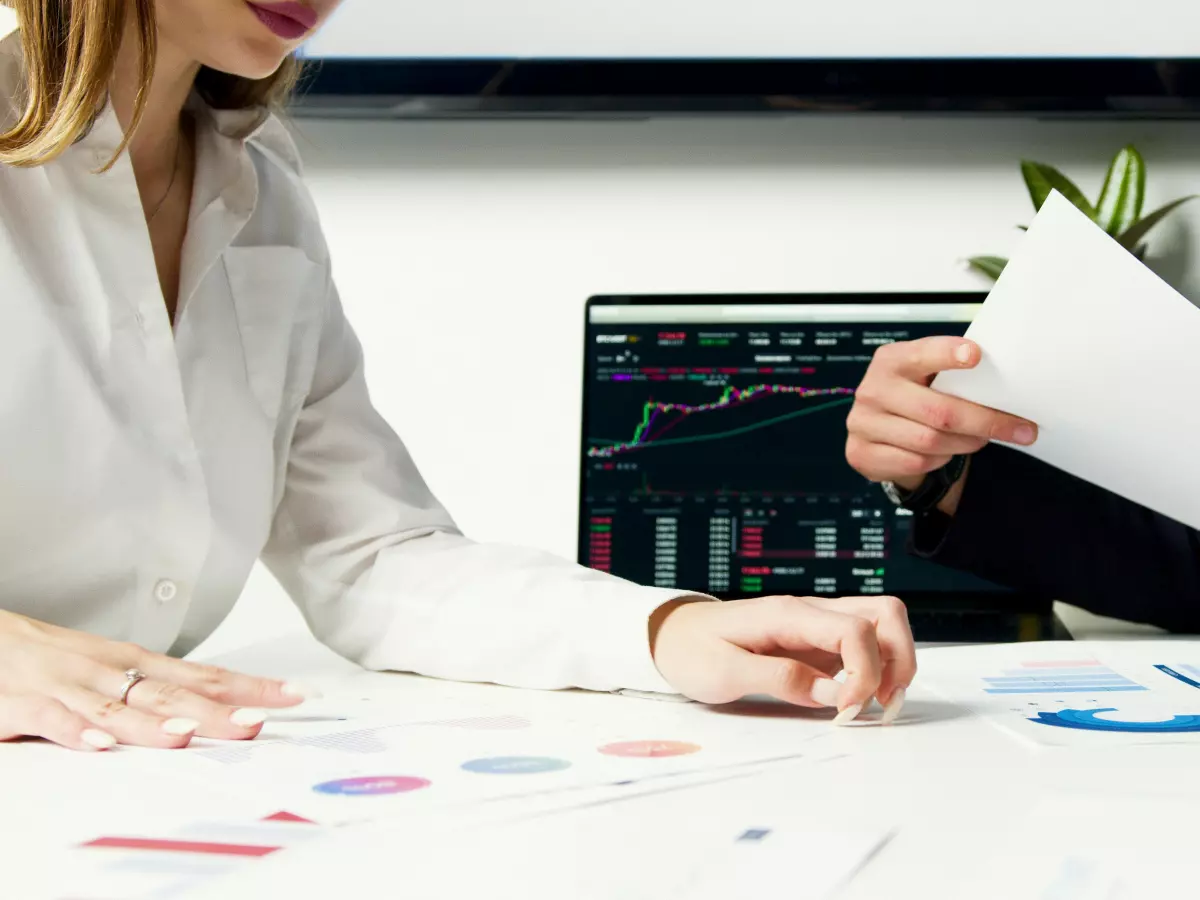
(290, 21)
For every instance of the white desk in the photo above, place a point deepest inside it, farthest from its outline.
(953, 786)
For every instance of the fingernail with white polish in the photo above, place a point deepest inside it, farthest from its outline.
(248, 717)
(301, 690)
(848, 715)
(180, 727)
(825, 691)
(891, 712)
(98, 740)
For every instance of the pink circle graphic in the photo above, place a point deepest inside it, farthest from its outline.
(649, 749)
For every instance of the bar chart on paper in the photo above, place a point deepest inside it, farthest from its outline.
(1058, 694)
(156, 864)
(1067, 677)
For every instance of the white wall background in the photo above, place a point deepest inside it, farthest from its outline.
(465, 251)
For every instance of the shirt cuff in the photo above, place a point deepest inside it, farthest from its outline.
(957, 540)
(622, 636)
(929, 534)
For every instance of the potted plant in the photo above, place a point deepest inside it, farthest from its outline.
(1118, 211)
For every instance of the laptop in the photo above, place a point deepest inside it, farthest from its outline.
(713, 456)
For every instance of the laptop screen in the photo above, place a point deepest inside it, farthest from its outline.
(714, 447)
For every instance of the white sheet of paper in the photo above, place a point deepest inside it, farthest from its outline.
(1082, 694)
(803, 863)
(1081, 338)
(1107, 845)
(666, 847)
(377, 747)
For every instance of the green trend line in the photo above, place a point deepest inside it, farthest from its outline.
(719, 435)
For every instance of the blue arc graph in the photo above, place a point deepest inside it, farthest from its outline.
(1089, 720)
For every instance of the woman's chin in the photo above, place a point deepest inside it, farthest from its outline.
(254, 63)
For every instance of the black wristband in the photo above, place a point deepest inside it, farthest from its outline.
(932, 490)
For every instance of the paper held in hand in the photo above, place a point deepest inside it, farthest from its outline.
(1086, 341)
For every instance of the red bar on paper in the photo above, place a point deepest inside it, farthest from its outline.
(288, 817)
(203, 847)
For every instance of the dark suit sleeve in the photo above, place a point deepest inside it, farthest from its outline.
(1029, 526)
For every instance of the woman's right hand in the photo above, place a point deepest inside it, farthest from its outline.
(65, 686)
(900, 429)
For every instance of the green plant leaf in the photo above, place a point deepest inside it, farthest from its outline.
(1124, 193)
(991, 266)
(1042, 179)
(1134, 236)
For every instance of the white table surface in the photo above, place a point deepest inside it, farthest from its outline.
(952, 786)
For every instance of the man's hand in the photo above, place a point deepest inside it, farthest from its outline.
(900, 429)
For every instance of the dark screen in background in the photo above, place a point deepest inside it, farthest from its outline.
(715, 462)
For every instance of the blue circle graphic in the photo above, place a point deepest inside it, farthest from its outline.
(516, 765)
(1088, 720)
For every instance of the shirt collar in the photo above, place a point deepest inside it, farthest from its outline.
(256, 125)
(240, 125)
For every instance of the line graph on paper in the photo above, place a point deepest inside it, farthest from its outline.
(666, 424)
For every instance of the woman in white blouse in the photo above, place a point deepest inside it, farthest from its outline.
(182, 394)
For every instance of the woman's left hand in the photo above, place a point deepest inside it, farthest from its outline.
(789, 648)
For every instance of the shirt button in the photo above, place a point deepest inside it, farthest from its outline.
(165, 591)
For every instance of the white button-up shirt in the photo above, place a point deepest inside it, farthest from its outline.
(145, 464)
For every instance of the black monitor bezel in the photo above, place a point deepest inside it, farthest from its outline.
(1162, 88)
(1004, 601)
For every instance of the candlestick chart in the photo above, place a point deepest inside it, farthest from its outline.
(763, 437)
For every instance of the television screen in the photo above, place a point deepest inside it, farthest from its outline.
(663, 57)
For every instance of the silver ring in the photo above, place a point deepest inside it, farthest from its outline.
(132, 677)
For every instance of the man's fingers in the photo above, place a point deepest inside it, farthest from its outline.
(43, 717)
(785, 679)
(944, 413)
(880, 427)
(883, 462)
(223, 686)
(920, 360)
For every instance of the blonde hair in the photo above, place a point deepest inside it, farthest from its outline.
(70, 56)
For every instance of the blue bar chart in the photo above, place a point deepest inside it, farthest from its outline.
(1072, 677)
